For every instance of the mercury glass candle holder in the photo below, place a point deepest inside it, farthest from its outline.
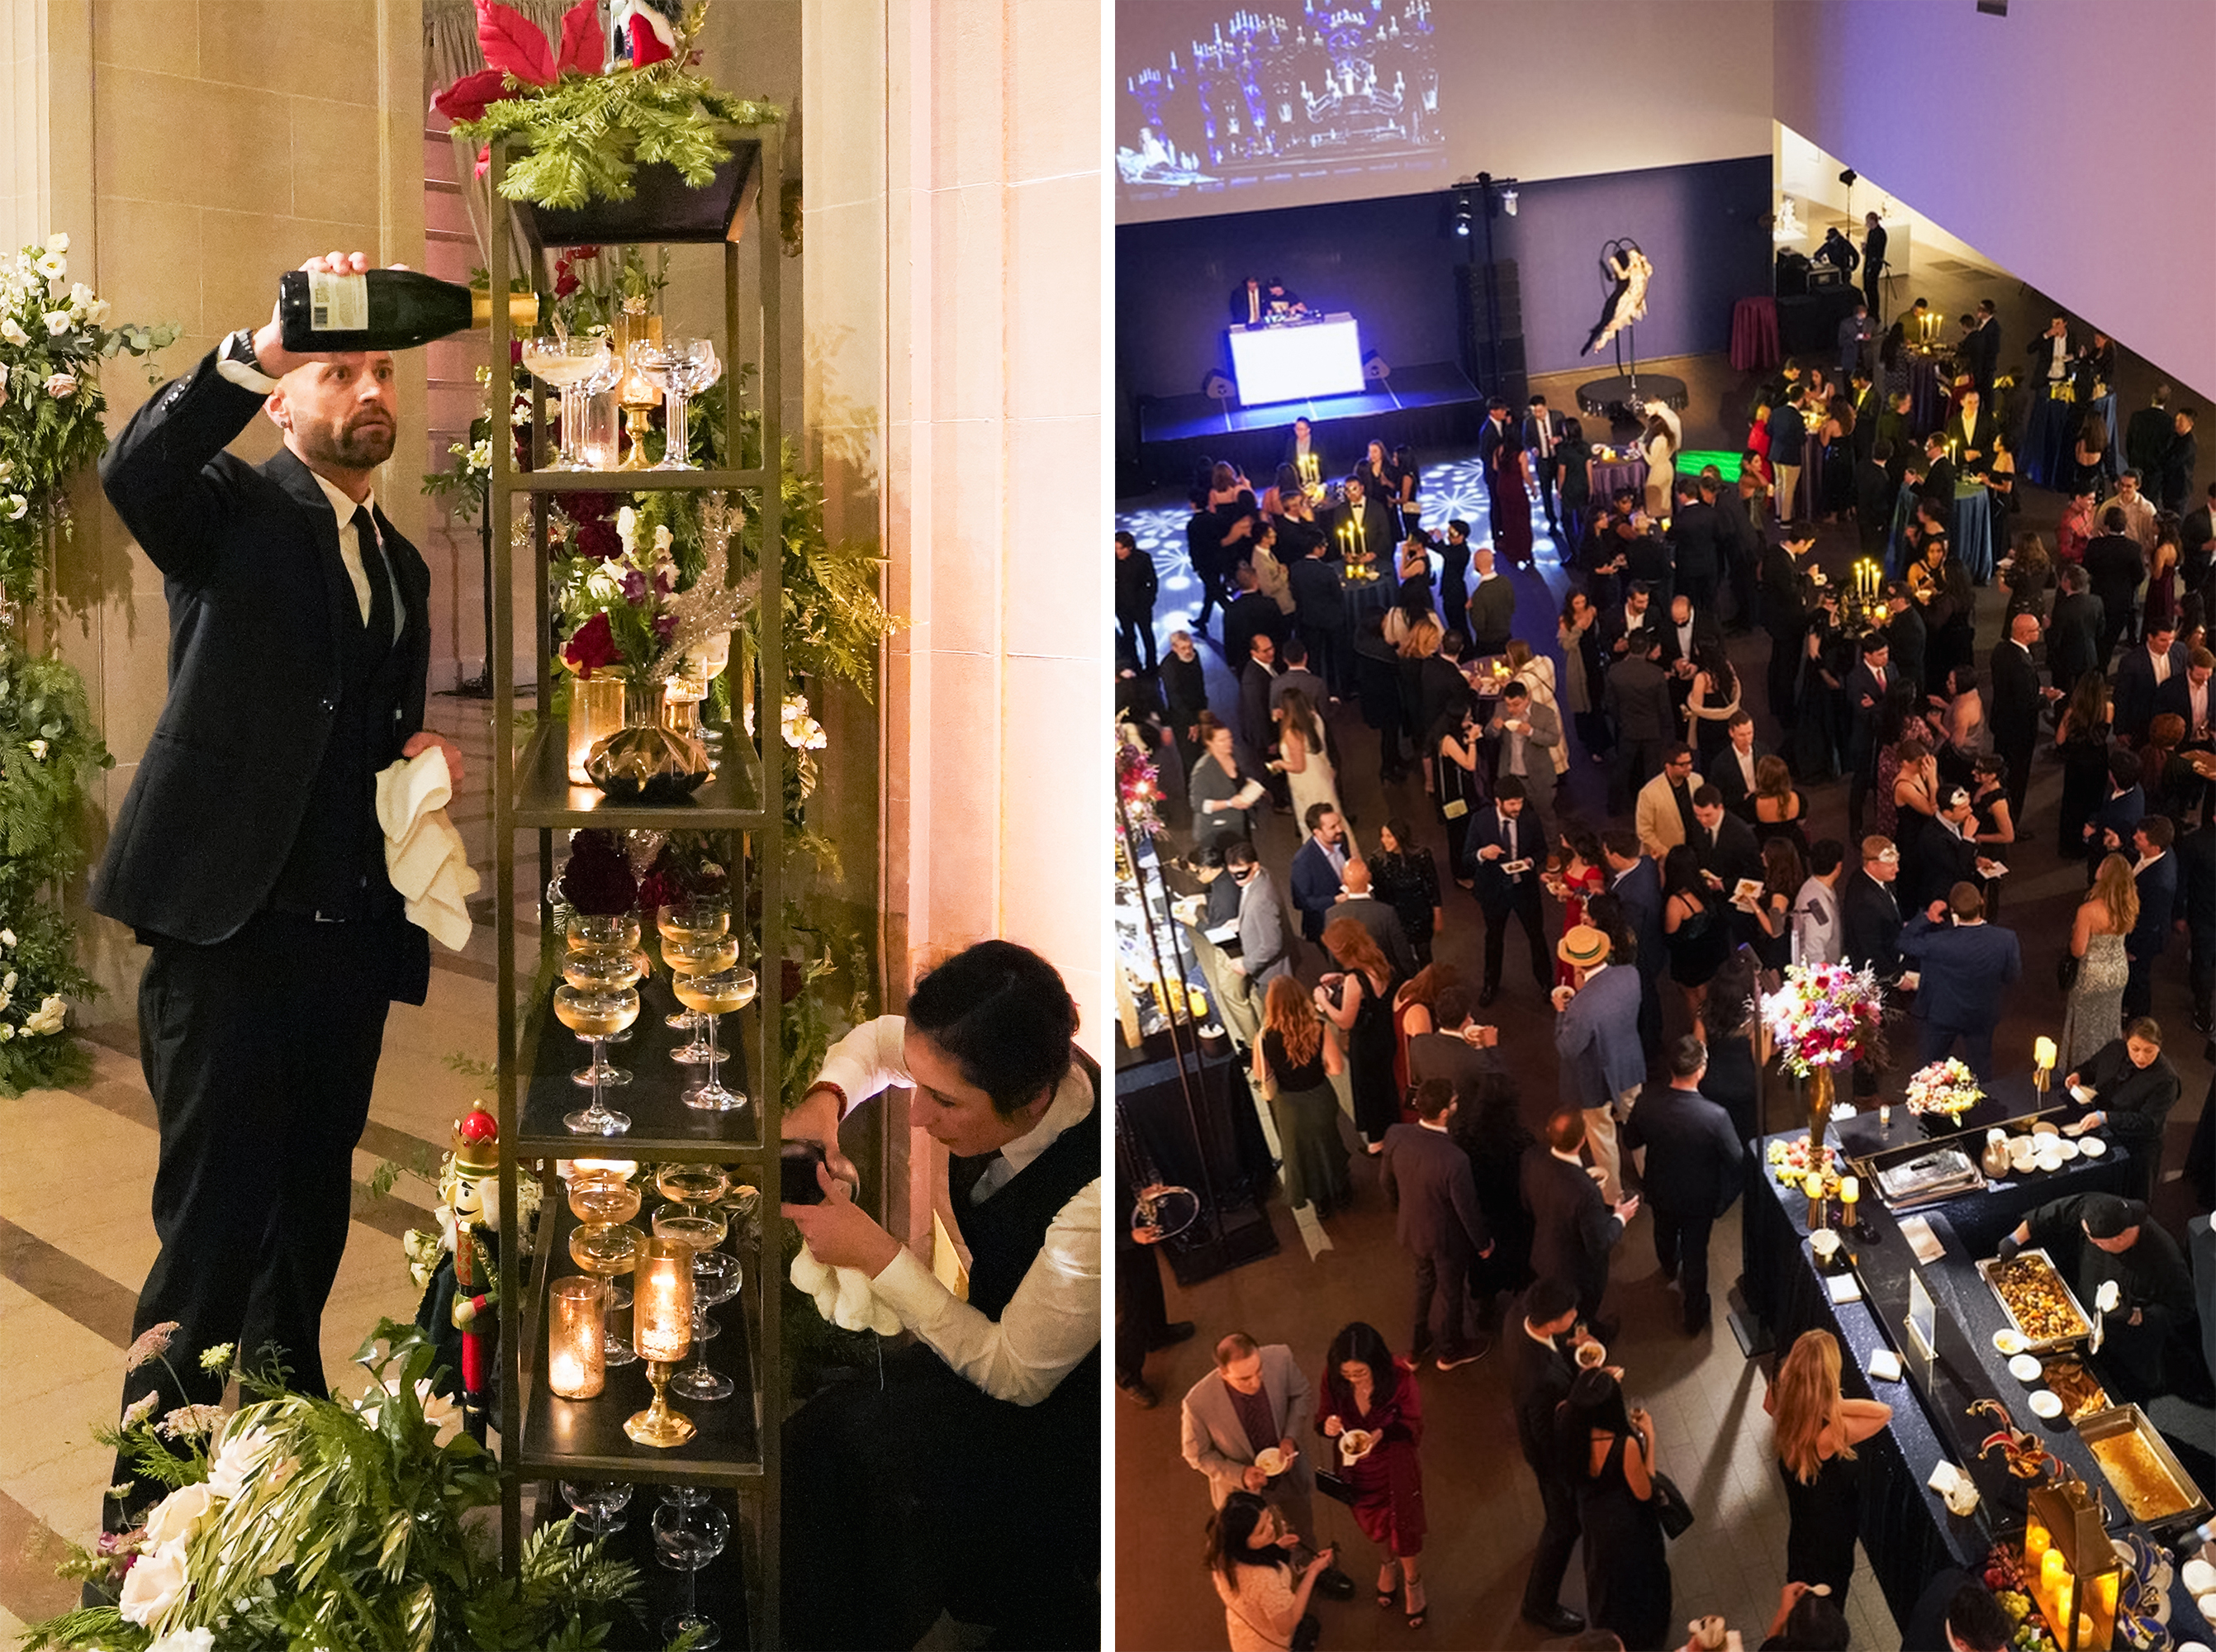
(661, 1331)
(576, 1329)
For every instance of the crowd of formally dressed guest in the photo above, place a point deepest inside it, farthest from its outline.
(1669, 908)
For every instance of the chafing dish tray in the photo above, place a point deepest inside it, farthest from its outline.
(2080, 1391)
(1923, 1176)
(2138, 1463)
(2038, 1303)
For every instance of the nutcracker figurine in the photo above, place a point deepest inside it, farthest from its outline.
(473, 1204)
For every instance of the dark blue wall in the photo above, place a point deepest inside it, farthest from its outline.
(1391, 261)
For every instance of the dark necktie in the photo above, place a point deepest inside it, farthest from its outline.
(379, 575)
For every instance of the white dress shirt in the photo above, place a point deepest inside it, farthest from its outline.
(1054, 1319)
(1817, 935)
(350, 550)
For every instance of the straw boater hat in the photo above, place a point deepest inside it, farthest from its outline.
(1582, 948)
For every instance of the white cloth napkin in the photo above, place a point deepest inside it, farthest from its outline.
(423, 853)
(843, 1295)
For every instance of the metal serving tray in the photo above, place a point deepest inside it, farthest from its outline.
(1986, 1269)
(2188, 1505)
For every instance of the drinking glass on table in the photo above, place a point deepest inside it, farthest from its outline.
(701, 1228)
(606, 1249)
(689, 1535)
(593, 1015)
(714, 995)
(681, 368)
(573, 367)
(695, 940)
(599, 1504)
(600, 973)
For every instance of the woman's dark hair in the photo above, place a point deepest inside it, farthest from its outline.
(1002, 1012)
(1363, 1341)
(1289, 479)
(1894, 714)
(1584, 843)
(1401, 833)
(1815, 1624)
(1572, 431)
(1888, 351)
(1596, 1401)
(1729, 1010)
(1709, 655)
(1605, 913)
(1681, 874)
(1231, 1535)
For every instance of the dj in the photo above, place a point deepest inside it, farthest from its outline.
(970, 1480)
(2123, 1268)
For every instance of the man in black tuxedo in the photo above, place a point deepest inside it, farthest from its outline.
(1786, 613)
(1620, 625)
(1735, 767)
(1457, 1049)
(1868, 687)
(2147, 433)
(1907, 638)
(1250, 614)
(1541, 1366)
(1503, 835)
(1689, 1159)
(1639, 704)
(1938, 484)
(1971, 431)
(1454, 576)
(247, 855)
(1258, 731)
(2017, 701)
(1427, 1180)
(2174, 477)
(1697, 543)
(2115, 563)
(1947, 851)
(2142, 674)
(1573, 1228)
(1869, 914)
(1542, 434)
(1967, 967)
(2154, 873)
(1873, 263)
(1724, 843)
(1320, 611)
(2074, 631)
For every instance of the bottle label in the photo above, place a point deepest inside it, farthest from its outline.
(337, 304)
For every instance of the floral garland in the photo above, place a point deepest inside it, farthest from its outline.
(1945, 1087)
(1824, 1015)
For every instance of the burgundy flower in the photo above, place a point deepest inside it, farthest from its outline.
(591, 646)
(598, 880)
(791, 980)
(598, 539)
(634, 585)
(565, 282)
(665, 626)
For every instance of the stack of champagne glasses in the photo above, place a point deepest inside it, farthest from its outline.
(695, 937)
(605, 1245)
(597, 1000)
(704, 965)
(693, 1219)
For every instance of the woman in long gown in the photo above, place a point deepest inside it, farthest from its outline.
(1657, 445)
(2094, 1014)
(1916, 800)
(1611, 1452)
(2082, 739)
(1306, 763)
(1369, 1391)
(1835, 438)
(1357, 1000)
(1816, 1430)
(1732, 1028)
(1293, 1056)
(1508, 502)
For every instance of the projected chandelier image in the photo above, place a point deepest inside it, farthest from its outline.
(1266, 93)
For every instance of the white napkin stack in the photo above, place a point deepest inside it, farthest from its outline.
(423, 853)
(843, 1295)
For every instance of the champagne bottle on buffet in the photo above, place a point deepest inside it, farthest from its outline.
(320, 314)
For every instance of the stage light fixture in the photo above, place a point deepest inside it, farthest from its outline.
(1462, 211)
(1508, 200)
(1848, 177)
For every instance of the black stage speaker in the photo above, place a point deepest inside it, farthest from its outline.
(1228, 1163)
(1217, 386)
(1503, 375)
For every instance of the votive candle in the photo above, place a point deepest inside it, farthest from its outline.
(2043, 1052)
(575, 1337)
(1814, 1188)
(661, 1301)
(1850, 1190)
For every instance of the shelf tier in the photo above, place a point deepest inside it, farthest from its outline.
(662, 1128)
(630, 481)
(544, 796)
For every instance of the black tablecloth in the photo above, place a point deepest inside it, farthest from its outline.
(1907, 1530)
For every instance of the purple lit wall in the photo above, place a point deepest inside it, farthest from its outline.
(2088, 175)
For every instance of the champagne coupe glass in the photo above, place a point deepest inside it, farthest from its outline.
(690, 920)
(689, 1535)
(593, 1015)
(693, 1184)
(715, 1278)
(600, 972)
(701, 1227)
(591, 932)
(682, 369)
(710, 661)
(599, 1505)
(605, 1197)
(706, 956)
(716, 996)
(681, 698)
(607, 1249)
(566, 364)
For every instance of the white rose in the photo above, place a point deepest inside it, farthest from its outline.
(39, 749)
(178, 1515)
(12, 331)
(7, 1032)
(58, 321)
(97, 311)
(242, 1454)
(5, 1000)
(185, 1640)
(47, 1018)
(58, 242)
(61, 384)
(154, 1584)
(6, 468)
(7, 937)
(54, 266)
(17, 505)
(80, 296)
(627, 526)
(441, 1413)
(8, 982)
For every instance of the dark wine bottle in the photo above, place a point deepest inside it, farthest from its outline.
(384, 310)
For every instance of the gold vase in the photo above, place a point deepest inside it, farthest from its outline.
(596, 710)
(1819, 1114)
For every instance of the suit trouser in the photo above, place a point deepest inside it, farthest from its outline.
(1600, 1137)
(1784, 670)
(1550, 1561)
(1444, 1273)
(1524, 907)
(1873, 285)
(1786, 497)
(1936, 1042)
(1681, 1245)
(1136, 632)
(1543, 471)
(261, 1051)
(2138, 985)
(1141, 1310)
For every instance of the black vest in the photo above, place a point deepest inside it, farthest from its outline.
(336, 865)
(1007, 1231)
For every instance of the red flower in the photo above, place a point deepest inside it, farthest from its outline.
(565, 282)
(597, 879)
(598, 539)
(591, 646)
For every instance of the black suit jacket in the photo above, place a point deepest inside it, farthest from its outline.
(1572, 1228)
(1528, 433)
(1943, 861)
(2135, 688)
(1725, 775)
(1446, 1054)
(1639, 888)
(1693, 1154)
(1428, 1179)
(2115, 563)
(2015, 700)
(1524, 838)
(259, 603)
(2176, 695)
(1908, 639)
(2073, 637)
(1697, 533)
(1539, 1379)
(1871, 920)
(1733, 855)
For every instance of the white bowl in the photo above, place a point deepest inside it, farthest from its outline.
(2008, 1341)
(1271, 1461)
(2200, 1578)
(2049, 1162)
(2069, 1150)
(2026, 1369)
(2092, 1147)
(2045, 1404)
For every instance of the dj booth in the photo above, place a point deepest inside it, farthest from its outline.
(1296, 361)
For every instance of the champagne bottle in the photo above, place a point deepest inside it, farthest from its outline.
(384, 310)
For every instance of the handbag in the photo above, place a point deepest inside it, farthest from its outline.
(2065, 971)
(1670, 1508)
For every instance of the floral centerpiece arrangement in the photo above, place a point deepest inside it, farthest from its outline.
(1824, 1017)
(302, 1520)
(1945, 1088)
(54, 336)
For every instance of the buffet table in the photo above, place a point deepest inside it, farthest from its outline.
(1906, 1529)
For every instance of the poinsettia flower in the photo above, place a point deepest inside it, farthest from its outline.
(467, 98)
(591, 647)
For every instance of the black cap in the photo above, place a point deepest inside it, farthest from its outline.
(2106, 1215)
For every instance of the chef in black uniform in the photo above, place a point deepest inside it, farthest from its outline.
(2098, 1242)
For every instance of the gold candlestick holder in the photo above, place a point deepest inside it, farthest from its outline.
(635, 392)
(658, 1425)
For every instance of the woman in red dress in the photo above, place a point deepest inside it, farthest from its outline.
(1368, 1396)
(1508, 502)
(1758, 443)
(1581, 878)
